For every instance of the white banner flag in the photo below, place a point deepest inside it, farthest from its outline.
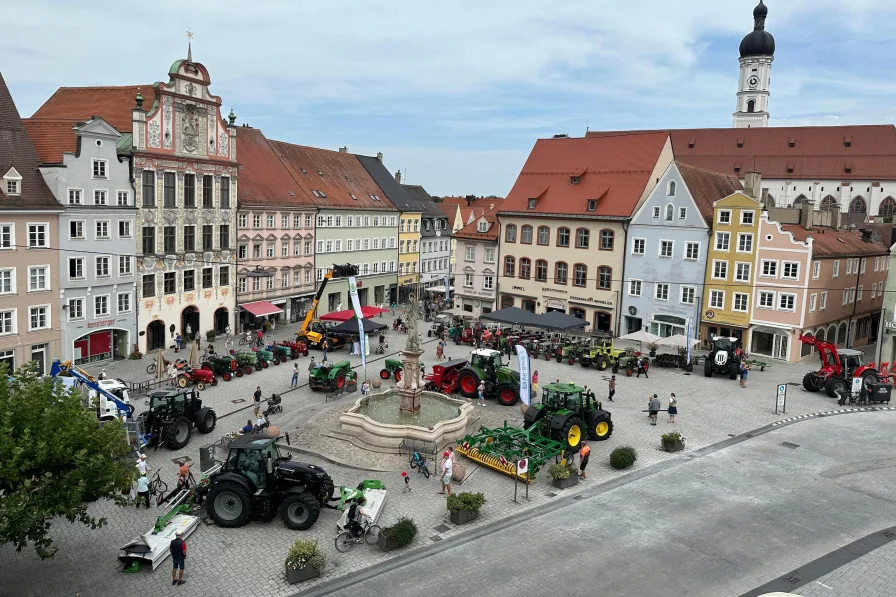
(356, 303)
(525, 377)
(447, 290)
(690, 321)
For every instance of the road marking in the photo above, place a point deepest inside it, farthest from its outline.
(824, 585)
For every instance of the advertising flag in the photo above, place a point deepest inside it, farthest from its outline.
(356, 303)
(525, 375)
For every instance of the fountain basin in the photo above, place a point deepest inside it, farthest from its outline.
(376, 421)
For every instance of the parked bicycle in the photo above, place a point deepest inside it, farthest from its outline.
(419, 463)
(369, 533)
(158, 488)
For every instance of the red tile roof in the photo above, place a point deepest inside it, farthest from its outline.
(614, 169)
(830, 242)
(811, 152)
(52, 137)
(264, 179)
(471, 231)
(114, 104)
(707, 187)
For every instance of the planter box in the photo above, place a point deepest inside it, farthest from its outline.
(568, 482)
(210, 336)
(673, 446)
(463, 516)
(301, 574)
(387, 543)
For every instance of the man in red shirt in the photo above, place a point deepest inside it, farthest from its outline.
(178, 550)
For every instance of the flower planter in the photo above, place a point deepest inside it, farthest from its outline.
(210, 336)
(296, 575)
(463, 516)
(387, 543)
(673, 445)
(567, 482)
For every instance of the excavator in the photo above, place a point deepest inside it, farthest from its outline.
(314, 334)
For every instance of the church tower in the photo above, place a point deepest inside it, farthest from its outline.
(757, 51)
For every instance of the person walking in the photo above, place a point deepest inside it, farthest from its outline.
(612, 386)
(642, 368)
(447, 471)
(744, 372)
(142, 466)
(273, 325)
(178, 549)
(325, 346)
(143, 490)
(584, 453)
(673, 408)
(172, 375)
(653, 407)
(178, 341)
(257, 398)
(482, 393)
(535, 383)
(294, 382)
(189, 331)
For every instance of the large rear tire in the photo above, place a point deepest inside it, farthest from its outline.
(570, 435)
(507, 395)
(206, 421)
(601, 429)
(602, 363)
(299, 510)
(385, 374)
(707, 367)
(834, 386)
(229, 504)
(339, 381)
(812, 383)
(468, 382)
(177, 434)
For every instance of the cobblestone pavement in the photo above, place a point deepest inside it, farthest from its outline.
(248, 561)
(872, 575)
(718, 525)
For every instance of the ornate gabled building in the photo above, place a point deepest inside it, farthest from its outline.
(185, 177)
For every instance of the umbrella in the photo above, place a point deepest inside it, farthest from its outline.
(678, 340)
(193, 361)
(160, 366)
(640, 336)
(350, 313)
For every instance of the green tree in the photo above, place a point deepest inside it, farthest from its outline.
(54, 461)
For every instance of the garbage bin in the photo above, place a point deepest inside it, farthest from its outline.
(879, 392)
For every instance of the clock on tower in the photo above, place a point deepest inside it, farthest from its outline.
(757, 51)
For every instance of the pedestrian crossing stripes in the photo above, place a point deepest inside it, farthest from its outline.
(840, 411)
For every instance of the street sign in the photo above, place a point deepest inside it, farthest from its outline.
(781, 401)
(856, 386)
(522, 466)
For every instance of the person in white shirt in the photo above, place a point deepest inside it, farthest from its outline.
(447, 470)
(141, 464)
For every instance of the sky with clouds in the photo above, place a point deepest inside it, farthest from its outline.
(455, 94)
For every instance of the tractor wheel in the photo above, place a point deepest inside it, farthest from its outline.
(547, 356)
(811, 382)
(468, 382)
(276, 361)
(229, 504)
(834, 386)
(616, 367)
(733, 370)
(457, 341)
(585, 362)
(214, 380)
(507, 395)
(629, 372)
(571, 360)
(602, 364)
(265, 364)
(259, 365)
(182, 381)
(226, 376)
(559, 357)
(326, 489)
(398, 375)
(707, 367)
(305, 353)
(299, 510)
(177, 434)
(385, 374)
(601, 429)
(570, 435)
(247, 370)
(868, 378)
(339, 381)
(206, 420)
(429, 333)
(200, 385)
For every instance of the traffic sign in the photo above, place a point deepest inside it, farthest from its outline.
(522, 466)
(781, 400)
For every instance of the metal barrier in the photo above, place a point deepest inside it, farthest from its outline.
(140, 388)
(427, 450)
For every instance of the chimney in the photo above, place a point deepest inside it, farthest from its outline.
(398, 176)
(343, 150)
(753, 184)
(806, 209)
(470, 199)
(836, 219)
(379, 155)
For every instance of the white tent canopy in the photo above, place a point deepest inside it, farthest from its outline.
(640, 336)
(678, 340)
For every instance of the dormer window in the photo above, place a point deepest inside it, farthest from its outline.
(13, 182)
(483, 226)
(592, 205)
(574, 180)
(531, 204)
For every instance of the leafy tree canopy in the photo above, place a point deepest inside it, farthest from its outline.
(54, 461)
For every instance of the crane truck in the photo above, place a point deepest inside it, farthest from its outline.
(313, 333)
(112, 400)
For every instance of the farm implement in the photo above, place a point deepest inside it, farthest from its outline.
(500, 448)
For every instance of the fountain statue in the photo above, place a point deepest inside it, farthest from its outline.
(411, 386)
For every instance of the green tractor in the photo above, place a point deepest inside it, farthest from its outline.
(395, 367)
(565, 412)
(501, 381)
(602, 355)
(329, 376)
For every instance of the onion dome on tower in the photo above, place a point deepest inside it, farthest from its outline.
(758, 42)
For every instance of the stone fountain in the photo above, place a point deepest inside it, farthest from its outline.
(382, 420)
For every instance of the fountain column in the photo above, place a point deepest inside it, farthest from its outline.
(411, 386)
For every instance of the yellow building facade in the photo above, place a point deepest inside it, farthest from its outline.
(731, 267)
(408, 253)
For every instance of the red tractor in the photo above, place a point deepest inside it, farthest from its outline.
(838, 369)
(444, 376)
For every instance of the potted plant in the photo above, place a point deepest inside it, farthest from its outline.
(623, 457)
(564, 475)
(673, 442)
(304, 561)
(398, 535)
(465, 506)
(210, 335)
(652, 347)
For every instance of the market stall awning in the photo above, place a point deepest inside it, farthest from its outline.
(262, 308)
(440, 289)
(351, 326)
(556, 320)
(513, 316)
(349, 313)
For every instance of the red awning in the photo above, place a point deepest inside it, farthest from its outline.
(367, 312)
(262, 308)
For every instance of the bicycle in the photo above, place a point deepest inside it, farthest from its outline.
(370, 534)
(419, 463)
(157, 487)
